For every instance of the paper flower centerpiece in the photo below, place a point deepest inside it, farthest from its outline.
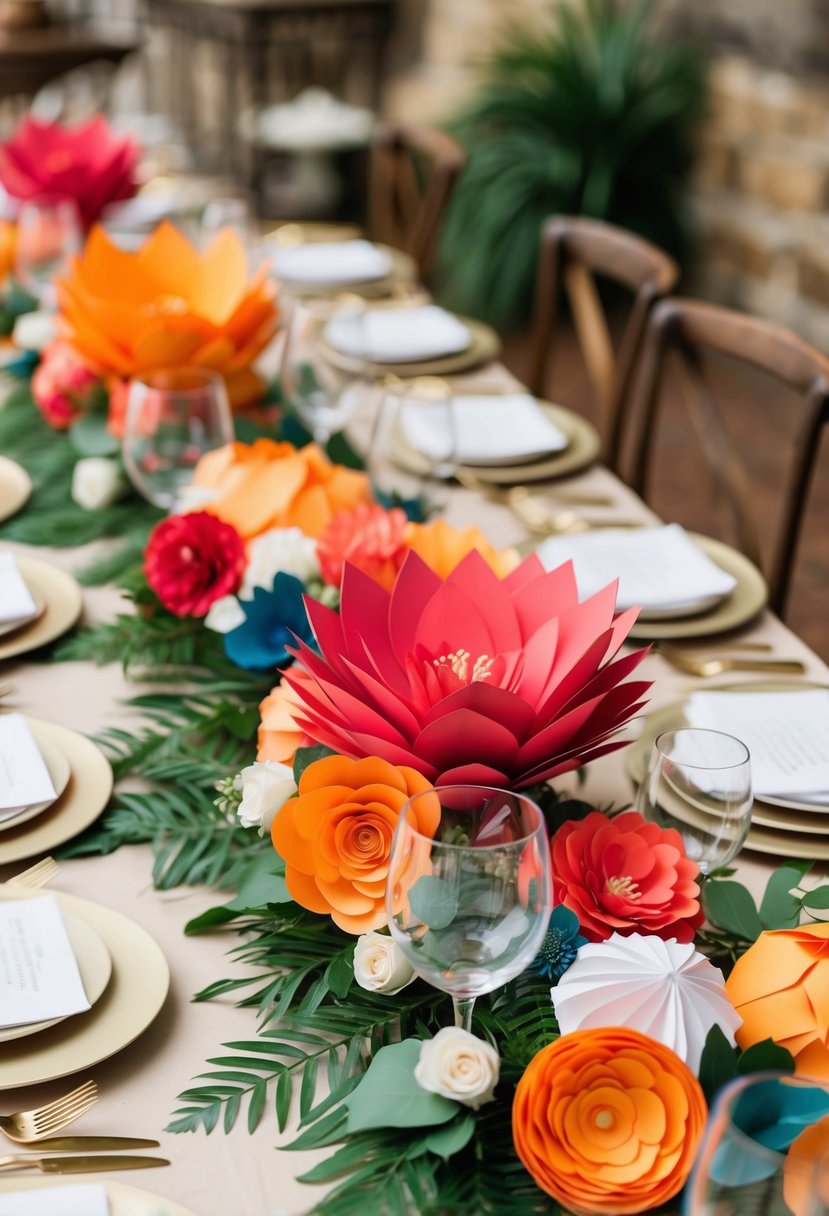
(666, 989)
(608, 1121)
(169, 306)
(472, 678)
(88, 164)
(279, 736)
(192, 560)
(780, 987)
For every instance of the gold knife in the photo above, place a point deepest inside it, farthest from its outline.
(91, 1144)
(82, 1165)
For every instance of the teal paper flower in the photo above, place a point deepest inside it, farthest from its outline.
(562, 940)
(274, 619)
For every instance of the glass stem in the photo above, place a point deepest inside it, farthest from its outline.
(463, 1011)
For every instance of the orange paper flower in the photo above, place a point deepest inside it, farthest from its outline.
(336, 835)
(167, 306)
(608, 1121)
(275, 485)
(443, 547)
(370, 537)
(780, 988)
(800, 1169)
(8, 244)
(279, 735)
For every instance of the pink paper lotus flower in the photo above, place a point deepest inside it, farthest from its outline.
(471, 678)
(48, 163)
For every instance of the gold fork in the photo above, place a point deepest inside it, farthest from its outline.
(37, 875)
(29, 1126)
(699, 666)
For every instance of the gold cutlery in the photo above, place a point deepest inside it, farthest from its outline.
(37, 875)
(698, 666)
(29, 1126)
(97, 1144)
(81, 1165)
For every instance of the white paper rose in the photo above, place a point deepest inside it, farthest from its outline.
(224, 614)
(279, 551)
(380, 965)
(456, 1064)
(266, 786)
(96, 482)
(35, 330)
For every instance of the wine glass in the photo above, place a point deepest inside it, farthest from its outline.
(413, 446)
(469, 905)
(48, 236)
(699, 782)
(173, 418)
(747, 1163)
(324, 396)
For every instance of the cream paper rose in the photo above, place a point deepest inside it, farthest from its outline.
(456, 1064)
(96, 482)
(266, 786)
(279, 551)
(380, 965)
(224, 614)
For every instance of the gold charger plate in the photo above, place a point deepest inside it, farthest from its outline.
(403, 270)
(124, 1200)
(8, 627)
(59, 771)
(86, 795)
(748, 598)
(484, 346)
(92, 956)
(15, 487)
(62, 597)
(133, 998)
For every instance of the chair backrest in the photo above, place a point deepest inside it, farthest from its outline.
(689, 328)
(412, 173)
(573, 250)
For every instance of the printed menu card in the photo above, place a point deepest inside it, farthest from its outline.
(24, 777)
(39, 976)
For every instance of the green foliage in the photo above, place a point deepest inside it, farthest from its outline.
(583, 114)
(389, 1096)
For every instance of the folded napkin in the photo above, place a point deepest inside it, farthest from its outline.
(24, 777)
(659, 569)
(332, 262)
(488, 430)
(399, 335)
(786, 733)
(78, 1199)
(16, 603)
(39, 979)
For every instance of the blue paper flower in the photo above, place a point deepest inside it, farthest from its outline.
(562, 940)
(273, 621)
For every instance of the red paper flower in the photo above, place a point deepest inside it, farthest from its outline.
(472, 678)
(371, 538)
(48, 163)
(626, 875)
(192, 560)
(63, 385)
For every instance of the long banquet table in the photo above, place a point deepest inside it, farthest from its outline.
(241, 1175)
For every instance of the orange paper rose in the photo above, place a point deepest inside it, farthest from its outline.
(608, 1121)
(780, 988)
(167, 305)
(336, 835)
(275, 485)
(8, 245)
(279, 735)
(443, 547)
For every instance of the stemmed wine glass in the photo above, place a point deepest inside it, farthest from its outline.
(48, 235)
(699, 782)
(173, 418)
(413, 448)
(469, 905)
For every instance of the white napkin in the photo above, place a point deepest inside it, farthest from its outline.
(39, 976)
(16, 603)
(659, 569)
(399, 335)
(332, 262)
(786, 733)
(79, 1199)
(489, 430)
(24, 777)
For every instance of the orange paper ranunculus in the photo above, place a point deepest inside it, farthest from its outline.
(335, 836)
(265, 485)
(608, 1120)
(168, 306)
(279, 735)
(780, 988)
(370, 537)
(443, 547)
(8, 245)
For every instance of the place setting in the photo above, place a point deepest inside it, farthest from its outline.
(42, 1197)
(318, 267)
(15, 487)
(38, 603)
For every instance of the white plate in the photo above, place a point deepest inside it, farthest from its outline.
(399, 335)
(124, 1200)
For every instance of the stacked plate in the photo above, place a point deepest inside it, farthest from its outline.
(15, 487)
(78, 1199)
(38, 603)
(409, 341)
(322, 267)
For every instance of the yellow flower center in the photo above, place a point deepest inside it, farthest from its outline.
(458, 661)
(603, 1119)
(623, 886)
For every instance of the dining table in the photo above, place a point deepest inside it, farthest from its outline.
(253, 1175)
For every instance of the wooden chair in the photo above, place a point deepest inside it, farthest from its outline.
(573, 250)
(412, 173)
(689, 328)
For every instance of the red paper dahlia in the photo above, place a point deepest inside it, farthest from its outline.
(471, 678)
(625, 875)
(192, 560)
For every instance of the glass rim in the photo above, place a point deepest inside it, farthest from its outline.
(738, 1086)
(702, 730)
(208, 377)
(488, 789)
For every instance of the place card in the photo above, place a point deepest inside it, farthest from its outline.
(24, 777)
(488, 429)
(79, 1199)
(16, 602)
(39, 976)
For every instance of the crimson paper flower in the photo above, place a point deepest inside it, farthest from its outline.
(192, 560)
(88, 164)
(471, 678)
(626, 875)
(369, 537)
